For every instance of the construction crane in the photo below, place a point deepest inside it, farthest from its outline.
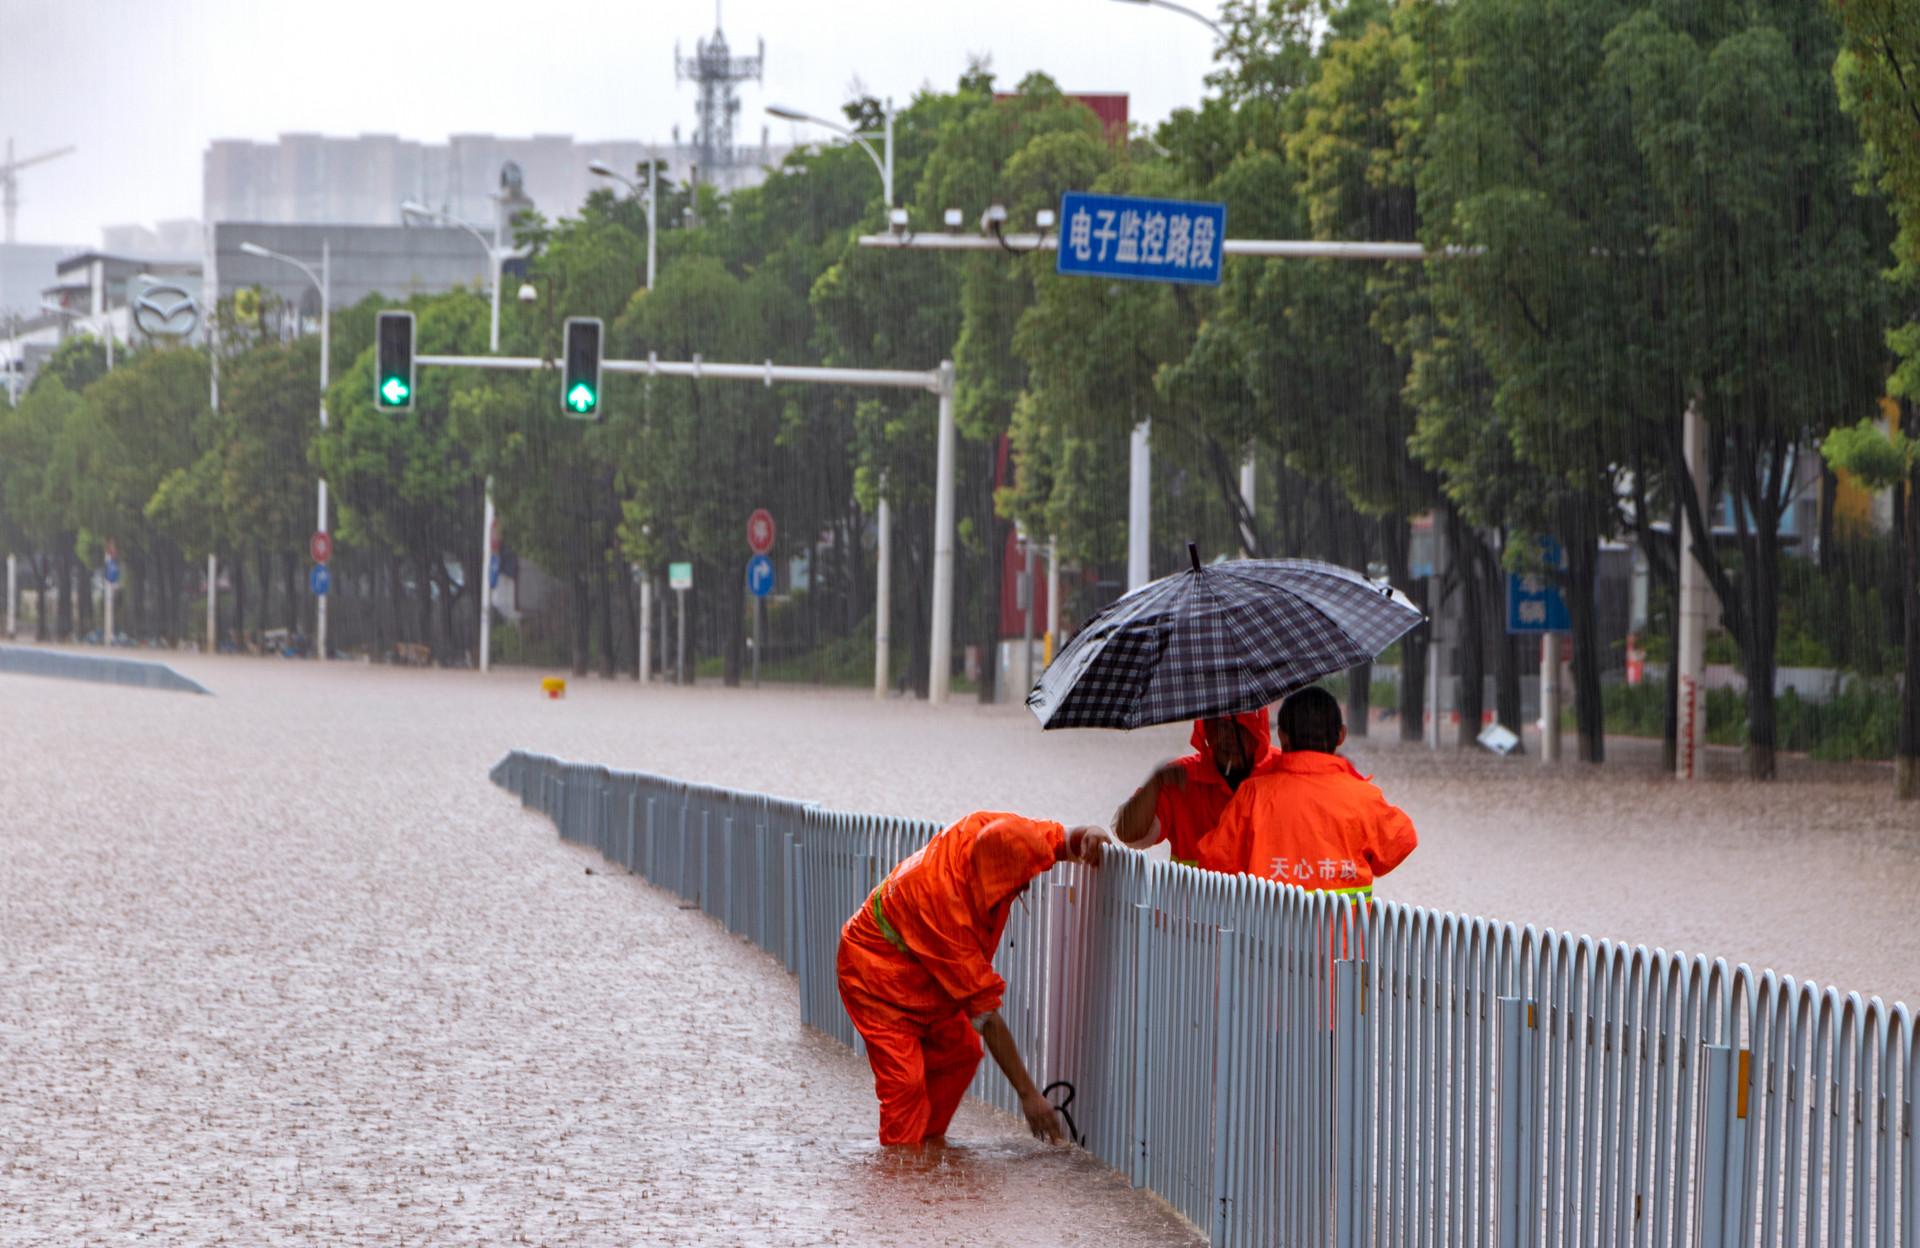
(10, 185)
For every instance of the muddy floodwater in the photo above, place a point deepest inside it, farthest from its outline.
(279, 966)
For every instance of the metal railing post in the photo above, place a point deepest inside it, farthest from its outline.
(1227, 993)
(1519, 1206)
(1349, 1123)
(1137, 1114)
(1723, 1148)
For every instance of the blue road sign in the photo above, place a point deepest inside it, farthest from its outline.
(493, 570)
(760, 576)
(318, 580)
(1534, 603)
(1144, 240)
(113, 570)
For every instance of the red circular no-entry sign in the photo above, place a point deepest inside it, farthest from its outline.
(760, 531)
(320, 546)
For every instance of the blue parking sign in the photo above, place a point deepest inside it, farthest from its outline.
(1142, 240)
(319, 580)
(1534, 603)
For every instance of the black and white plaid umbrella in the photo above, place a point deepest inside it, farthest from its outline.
(1217, 641)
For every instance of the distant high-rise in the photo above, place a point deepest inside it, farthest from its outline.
(312, 178)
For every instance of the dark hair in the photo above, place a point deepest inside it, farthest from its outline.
(1310, 720)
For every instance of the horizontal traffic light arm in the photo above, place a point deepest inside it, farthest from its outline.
(766, 372)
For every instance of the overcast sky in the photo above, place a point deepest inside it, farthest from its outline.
(140, 86)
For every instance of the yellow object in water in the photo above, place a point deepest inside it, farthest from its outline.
(553, 686)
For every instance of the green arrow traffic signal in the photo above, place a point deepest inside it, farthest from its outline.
(394, 391)
(580, 398)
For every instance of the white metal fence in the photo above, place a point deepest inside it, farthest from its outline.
(1289, 1068)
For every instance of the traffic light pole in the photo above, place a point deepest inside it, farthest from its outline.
(939, 381)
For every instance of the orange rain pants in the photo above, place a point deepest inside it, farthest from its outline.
(916, 963)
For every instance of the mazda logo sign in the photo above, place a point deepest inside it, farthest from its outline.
(166, 312)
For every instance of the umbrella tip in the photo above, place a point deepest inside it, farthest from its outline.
(1193, 553)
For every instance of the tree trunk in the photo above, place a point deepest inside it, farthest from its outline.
(290, 581)
(580, 612)
(237, 569)
(607, 639)
(426, 607)
(40, 597)
(86, 597)
(630, 607)
(65, 628)
(1906, 749)
(1468, 559)
(1583, 557)
(1758, 652)
(451, 646)
(1352, 551)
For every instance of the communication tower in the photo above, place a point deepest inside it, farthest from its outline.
(715, 70)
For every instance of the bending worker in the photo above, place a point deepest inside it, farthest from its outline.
(1182, 800)
(1313, 821)
(916, 969)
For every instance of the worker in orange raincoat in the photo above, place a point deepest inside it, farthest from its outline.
(1314, 821)
(1183, 799)
(916, 969)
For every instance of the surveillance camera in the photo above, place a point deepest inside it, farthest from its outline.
(993, 219)
(953, 218)
(527, 292)
(897, 220)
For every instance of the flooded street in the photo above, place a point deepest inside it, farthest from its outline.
(281, 966)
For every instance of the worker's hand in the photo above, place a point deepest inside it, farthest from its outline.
(1041, 1118)
(1085, 844)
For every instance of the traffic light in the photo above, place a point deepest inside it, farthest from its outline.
(393, 362)
(580, 378)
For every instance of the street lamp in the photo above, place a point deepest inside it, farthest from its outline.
(653, 166)
(323, 282)
(883, 163)
(882, 512)
(1202, 18)
(497, 254)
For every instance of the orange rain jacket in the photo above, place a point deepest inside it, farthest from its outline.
(1314, 822)
(916, 963)
(1188, 813)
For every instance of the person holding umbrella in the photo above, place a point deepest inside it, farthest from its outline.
(1182, 800)
(1313, 821)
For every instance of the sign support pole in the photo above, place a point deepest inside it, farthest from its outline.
(1549, 698)
(759, 617)
(486, 573)
(1139, 505)
(13, 594)
(882, 593)
(213, 603)
(644, 672)
(108, 635)
(680, 663)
